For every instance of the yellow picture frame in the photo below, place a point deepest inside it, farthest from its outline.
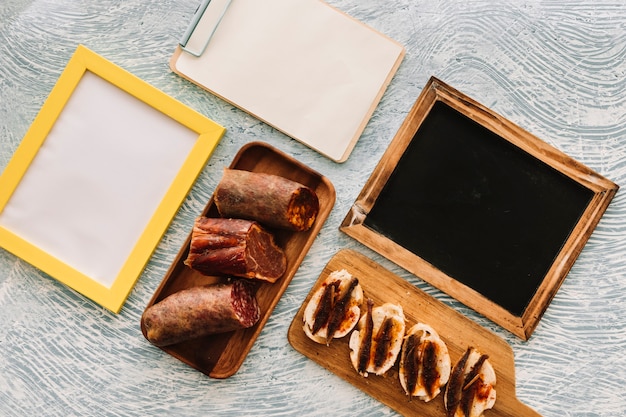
(202, 135)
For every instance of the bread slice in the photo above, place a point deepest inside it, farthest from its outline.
(334, 309)
(377, 342)
(471, 388)
(424, 363)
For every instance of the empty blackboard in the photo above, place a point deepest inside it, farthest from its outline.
(478, 207)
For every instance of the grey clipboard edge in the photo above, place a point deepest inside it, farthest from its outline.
(197, 16)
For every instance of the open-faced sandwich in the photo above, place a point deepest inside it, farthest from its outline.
(424, 363)
(334, 309)
(377, 342)
(471, 388)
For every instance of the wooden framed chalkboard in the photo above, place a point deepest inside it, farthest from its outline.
(479, 208)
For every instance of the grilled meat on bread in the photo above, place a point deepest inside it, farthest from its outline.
(377, 342)
(471, 388)
(424, 363)
(334, 309)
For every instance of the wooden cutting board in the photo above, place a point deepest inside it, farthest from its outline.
(457, 331)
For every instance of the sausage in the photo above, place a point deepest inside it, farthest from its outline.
(272, 200)
(201, 311)
(235, 247)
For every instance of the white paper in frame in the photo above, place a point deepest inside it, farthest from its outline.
(99, 176)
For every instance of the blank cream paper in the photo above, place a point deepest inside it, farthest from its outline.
(301, 66)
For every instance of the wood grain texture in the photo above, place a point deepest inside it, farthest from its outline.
(221, 355)
(556, 68)
(455, 330)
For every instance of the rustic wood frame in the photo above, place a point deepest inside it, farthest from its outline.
(602, 189)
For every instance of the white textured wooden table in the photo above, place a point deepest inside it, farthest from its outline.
(556, 68)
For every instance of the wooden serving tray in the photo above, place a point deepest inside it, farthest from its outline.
(220, 356)
(456, 330)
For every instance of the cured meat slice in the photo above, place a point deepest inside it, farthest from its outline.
(334, 309)
(376, 344)
(471, 388)
(270, 199)
(201, 311)
(236, 247)
(424, 363)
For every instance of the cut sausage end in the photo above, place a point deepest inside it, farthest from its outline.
(303, 209)
(263, 257)
(244, 304)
